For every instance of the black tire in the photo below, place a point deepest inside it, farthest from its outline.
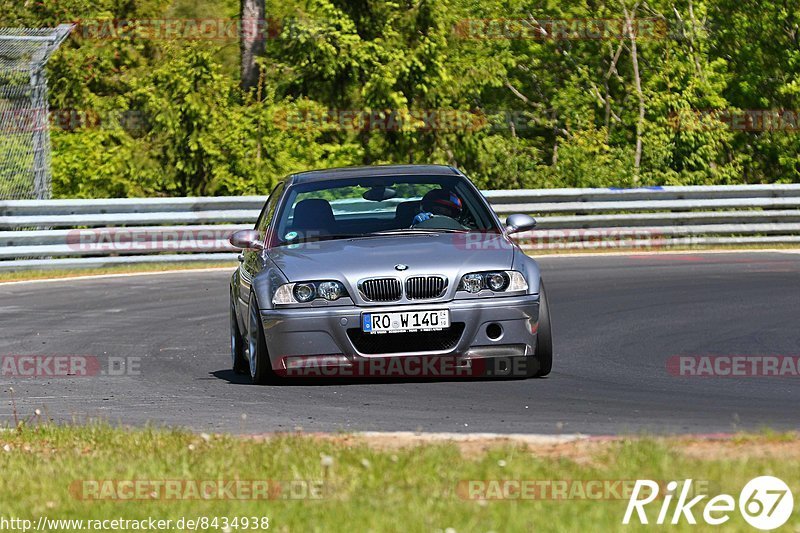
(544, 337)
(238, 359)
(260, 365)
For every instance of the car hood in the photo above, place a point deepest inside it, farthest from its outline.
(350, 260)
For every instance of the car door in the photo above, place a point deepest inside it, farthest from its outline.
(251, 261)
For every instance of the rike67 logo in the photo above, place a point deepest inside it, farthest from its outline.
(765, 503)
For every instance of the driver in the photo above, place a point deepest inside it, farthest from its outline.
(438, 202)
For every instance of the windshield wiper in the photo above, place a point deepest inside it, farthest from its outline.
(418, 231)
(316, 238)
(336, 236)
(401, 230)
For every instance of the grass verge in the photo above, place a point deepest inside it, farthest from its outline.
(363, 487)
(25, 275)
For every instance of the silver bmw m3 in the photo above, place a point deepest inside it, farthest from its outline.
(348, 269)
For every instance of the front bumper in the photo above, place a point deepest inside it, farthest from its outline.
(309, 332)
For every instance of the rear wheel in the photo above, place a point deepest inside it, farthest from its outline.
(260, 365)
(238, 359)
(544, 337)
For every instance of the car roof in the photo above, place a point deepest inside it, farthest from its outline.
(371, 171)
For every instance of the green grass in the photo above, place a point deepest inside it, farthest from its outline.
(365, 489)
(122, 269)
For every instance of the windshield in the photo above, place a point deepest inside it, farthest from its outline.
(361, 207)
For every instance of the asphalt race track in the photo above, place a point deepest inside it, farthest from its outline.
(616, 322)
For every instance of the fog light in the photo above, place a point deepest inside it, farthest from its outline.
(494, 331)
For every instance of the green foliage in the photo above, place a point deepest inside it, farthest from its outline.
(104, 163)
(549, 112)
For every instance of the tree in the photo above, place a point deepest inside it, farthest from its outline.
(252, 40)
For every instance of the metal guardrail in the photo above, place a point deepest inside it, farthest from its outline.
(97, 233)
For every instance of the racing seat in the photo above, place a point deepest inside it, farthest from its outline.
(405, 212)
(313, 216)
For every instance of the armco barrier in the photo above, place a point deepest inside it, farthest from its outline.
(96, 233)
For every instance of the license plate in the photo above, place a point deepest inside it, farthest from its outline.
(405, 321)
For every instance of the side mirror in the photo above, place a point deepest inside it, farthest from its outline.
(519, 222)
(247, 239)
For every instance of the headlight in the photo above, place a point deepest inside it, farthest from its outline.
(304, 292)
(472, 283)
(498, 281)
(307, 291)
(330, 290)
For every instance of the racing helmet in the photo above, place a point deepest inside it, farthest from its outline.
(437, 199)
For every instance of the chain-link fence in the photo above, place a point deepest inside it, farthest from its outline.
(24, 125)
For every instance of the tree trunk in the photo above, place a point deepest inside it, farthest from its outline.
(637, 159)
(252, 40)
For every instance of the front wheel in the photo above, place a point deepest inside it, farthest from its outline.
(238, 359)
(544, 337)
(260, 365)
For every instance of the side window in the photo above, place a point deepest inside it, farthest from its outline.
(268, 212)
